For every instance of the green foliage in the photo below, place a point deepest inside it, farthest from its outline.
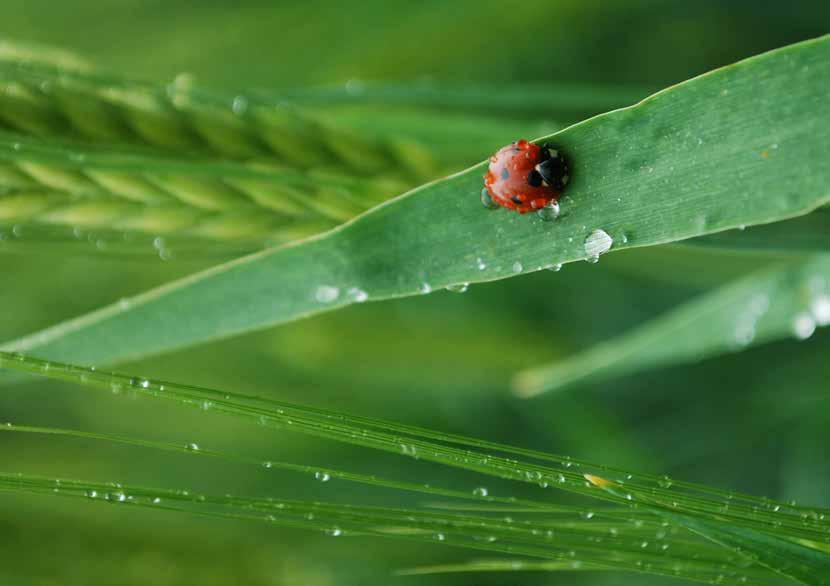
(760, 530)
(178, 178)
(623, 164)
(789, 300)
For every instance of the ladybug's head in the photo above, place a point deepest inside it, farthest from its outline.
(551, 170)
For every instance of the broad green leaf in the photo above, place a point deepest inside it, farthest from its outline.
(786, 301)
(746, 144)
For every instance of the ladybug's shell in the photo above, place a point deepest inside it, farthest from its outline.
(507, 178)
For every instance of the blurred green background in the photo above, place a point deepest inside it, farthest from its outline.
(755, 421)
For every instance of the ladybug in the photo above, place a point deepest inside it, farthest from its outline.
(524, 176)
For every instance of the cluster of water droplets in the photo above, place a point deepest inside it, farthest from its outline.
(817, 310)
(327, 294)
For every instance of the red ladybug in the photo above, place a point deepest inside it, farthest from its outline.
(524, 176)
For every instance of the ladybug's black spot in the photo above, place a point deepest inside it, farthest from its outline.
(516, 199)
(534, 179)
(505, 174)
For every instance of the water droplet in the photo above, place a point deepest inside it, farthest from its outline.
(357, 295)
(334, 532)
(458, 287)
(440, 536)
(598, 242)
(481, 264)
(408, 450)
(322, 476)
(354, 87)
(550, 212)
(156, 500)
(193, 447)
(517, 267)
(480, 491)
(485, 538)
(820, 308)
(92, 494)
(665, 482)
(326, 294)
(555, 268)
(803, 326)
(586, 514)
(487, 201)
(239, 105)
(158, 243)
(425, 288)
(267, 464)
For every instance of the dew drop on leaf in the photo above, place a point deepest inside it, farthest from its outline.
(487, 201)
(598, 242)
(803, 326)
(820, 308)
(326, 294)
(458, 287)
(480, 491)
(322, 476)
(550, 212)
(239, 105)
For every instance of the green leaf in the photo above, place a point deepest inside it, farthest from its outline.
(810, 233)
(786, 301)
(746, 144)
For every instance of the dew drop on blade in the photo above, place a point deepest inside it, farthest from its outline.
(550, 212)
(487, 201)
(598, 242)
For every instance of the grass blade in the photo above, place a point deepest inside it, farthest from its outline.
(782, 302)
(637, 176)
(762, 522)
(694, 560)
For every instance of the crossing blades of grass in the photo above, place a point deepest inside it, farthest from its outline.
(746, 144)
(619, 549)
(786, 301)
(784, 538)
